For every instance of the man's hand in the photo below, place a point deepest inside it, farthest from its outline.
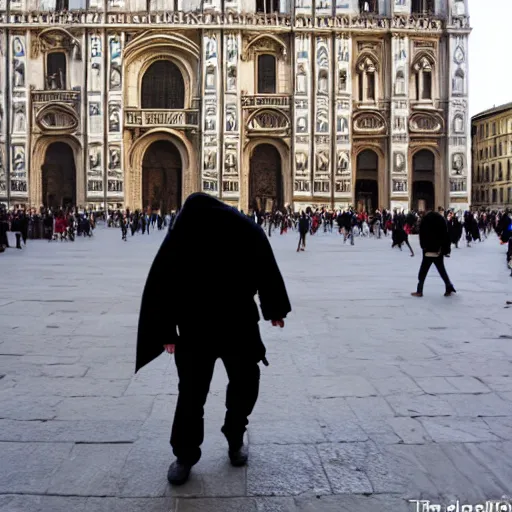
(279, 323)
(170, 348)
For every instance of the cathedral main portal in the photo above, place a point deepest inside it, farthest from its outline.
(59, 176)
(162, 177)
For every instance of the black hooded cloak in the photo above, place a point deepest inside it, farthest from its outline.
(201, 286)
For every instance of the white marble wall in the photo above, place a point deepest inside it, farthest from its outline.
(302, 121)
(398, 154)
(343, 92)
(113, 111)
(95, 169)
(3, 163)
(322, 164)
(232, 120)
(18, 148)
(212, 110)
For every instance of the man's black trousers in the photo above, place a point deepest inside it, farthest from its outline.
(195, 370)
(426, 263)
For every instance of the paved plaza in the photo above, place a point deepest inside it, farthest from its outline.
(372, 397)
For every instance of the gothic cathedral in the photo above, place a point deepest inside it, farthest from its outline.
(262, 103)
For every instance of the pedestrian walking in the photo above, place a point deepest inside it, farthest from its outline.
(216, 318)
(435, 243)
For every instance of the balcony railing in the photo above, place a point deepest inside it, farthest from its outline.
(139, 118)
(56, 96)
(266, 100)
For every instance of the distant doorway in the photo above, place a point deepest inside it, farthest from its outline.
(162, 177)
(266, 179)
(423, 181)
(59, 176)
(367, 184)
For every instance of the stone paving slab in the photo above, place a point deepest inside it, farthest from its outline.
(371, 397)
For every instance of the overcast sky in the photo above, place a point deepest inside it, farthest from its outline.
(490, 71)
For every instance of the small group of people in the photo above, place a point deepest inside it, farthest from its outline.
(138, 221)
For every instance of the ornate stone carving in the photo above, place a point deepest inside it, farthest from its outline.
(57, 118)
(55, 38)
(369, 122)
(262, 43)
(425, 122)
(268, 121)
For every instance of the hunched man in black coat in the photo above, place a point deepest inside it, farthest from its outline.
(436, 244)
(202, 283)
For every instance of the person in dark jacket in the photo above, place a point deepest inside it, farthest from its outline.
(436, 244)
(202, 284)
(303, 231)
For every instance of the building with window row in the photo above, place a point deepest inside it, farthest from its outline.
(261, 103)
(491, 133)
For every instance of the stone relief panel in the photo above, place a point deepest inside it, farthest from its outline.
(232, 120)
(322, 147)
(19, 117)
(458, 8)
(459, 66)
(115, 63)
(95, 173)
(458, 185)
(95, 116)
(343, 71)
(19, 178)
(399, 162)
(342, 163)
(399, 186)
(231, 57)
(302, 121)
(212, 126)
(3, 173)
(400, 66)
(114, 172)
(114, 117)
(95, 63)
(458, 165)
(19, 62)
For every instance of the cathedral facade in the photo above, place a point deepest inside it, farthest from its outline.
(262, 103)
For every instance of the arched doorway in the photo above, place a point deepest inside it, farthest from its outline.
(265, 178)
(423, 181)
(367, 184)
(59, 176)
(162, 177)
(163, 86)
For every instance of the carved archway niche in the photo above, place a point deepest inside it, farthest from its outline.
(56, 39)
(263, 43)
(134, 156)
(144, 50)
(37, 161)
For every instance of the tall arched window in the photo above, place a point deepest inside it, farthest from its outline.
(367, 76)
(266, 74)
(267, 5)
(423, 75)
(163, 86)
(56, 71)
(508, 170)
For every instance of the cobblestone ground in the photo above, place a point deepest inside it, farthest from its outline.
(371, 398)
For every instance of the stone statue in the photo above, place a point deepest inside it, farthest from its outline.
(19, 114)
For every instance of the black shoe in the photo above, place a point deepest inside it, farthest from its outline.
(449, 291)
(178, 473)
(239, 457)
